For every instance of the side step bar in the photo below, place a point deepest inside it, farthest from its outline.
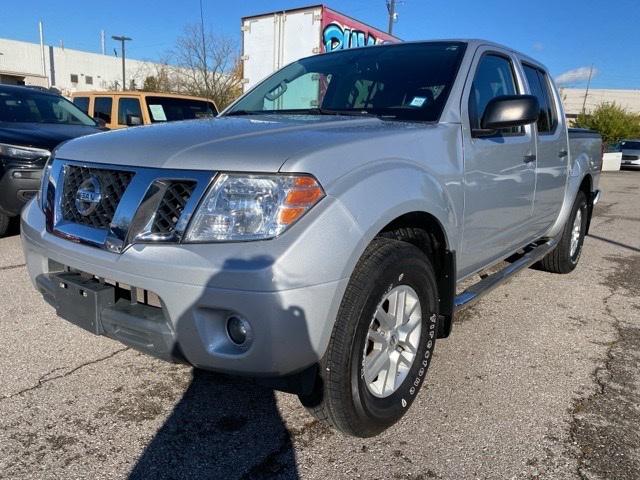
(532, 254)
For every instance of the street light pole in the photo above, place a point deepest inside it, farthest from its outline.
(122, 39)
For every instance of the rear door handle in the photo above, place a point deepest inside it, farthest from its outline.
(529, 158)
(563, 153)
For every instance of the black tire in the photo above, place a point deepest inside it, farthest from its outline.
(560, 260)
(5, 220)
(341, 398)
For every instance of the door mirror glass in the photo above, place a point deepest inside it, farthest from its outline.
(508, 111)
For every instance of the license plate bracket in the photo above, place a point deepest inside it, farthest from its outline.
(80, 300)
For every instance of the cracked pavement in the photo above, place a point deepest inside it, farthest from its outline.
(538, 380)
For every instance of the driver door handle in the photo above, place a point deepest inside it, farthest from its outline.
(529, 158)
(563, 153)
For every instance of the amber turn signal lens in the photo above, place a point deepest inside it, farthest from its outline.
(303, 194)
(289, 215)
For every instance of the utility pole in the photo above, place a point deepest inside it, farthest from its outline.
(204, 52)
(42, 55)
(393, 16)
(102, 46)
(586, 93)
(122, 39)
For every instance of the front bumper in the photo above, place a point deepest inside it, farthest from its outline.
(200, 287)
(630, 162)
(17, 187)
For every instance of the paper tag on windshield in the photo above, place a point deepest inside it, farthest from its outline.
(418, 101)
(157, 113)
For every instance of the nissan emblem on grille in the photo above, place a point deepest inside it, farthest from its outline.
(88, 196)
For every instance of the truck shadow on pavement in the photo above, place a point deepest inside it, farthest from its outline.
(225, 427)
(613, 242)
(222, 427)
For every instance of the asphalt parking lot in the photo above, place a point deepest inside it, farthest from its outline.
(538, 380)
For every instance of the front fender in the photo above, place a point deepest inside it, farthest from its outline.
(380, 192)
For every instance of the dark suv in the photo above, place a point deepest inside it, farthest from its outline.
(32, 123)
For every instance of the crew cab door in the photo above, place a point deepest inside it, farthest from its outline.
(552, 150)
(499, 169)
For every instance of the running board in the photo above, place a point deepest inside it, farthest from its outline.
(532, 254)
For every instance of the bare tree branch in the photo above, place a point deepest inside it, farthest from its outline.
(209, 68)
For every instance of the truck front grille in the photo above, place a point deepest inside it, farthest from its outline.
(112, 207)
(171, 206)
(112, 185)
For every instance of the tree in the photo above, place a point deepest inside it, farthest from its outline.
(208, 65)
(161, 80)
(612, 121)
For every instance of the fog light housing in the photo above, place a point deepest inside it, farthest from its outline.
(239, 330)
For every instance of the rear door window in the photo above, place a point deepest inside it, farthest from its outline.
(538, 84)
(102, 108)
(127, 109)
(82, 103)
(551, 100)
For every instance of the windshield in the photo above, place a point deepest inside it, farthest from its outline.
(35, 107)
(628, 145)
(405, 81)
(167, 109)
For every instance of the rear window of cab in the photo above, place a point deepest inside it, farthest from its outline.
(167, 109)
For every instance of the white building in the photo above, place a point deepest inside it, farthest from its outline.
(68, 70)
(574, 99)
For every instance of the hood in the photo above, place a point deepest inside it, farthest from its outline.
(256, 143)
(41, 135)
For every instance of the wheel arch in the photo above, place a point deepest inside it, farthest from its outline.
(586, 186)
(426, 232)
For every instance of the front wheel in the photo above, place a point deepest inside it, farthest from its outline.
(382, 342)
(564, 258)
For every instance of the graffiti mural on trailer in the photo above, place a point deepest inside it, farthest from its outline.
(338, 37)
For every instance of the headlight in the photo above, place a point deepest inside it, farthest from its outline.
(44, 183)
(252, 207)
(22, 153)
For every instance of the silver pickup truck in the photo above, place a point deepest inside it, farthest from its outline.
(314, 235)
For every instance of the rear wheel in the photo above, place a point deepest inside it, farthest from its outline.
(382, 342)
(565, 257)
(5, 220)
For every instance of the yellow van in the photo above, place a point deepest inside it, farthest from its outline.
(127, 109)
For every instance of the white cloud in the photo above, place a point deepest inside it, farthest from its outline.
(577, 75)
(538, 46)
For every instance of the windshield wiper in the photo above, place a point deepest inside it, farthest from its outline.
(243, 112)
(312, 111)
(352, 112)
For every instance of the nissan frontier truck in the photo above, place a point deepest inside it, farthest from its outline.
(314, 234)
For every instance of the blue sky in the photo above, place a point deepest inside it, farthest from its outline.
(566, 35)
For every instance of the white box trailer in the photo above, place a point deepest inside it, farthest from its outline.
(272, 40)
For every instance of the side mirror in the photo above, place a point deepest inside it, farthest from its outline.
(133, 120)
(509, 111)
(100, 121)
